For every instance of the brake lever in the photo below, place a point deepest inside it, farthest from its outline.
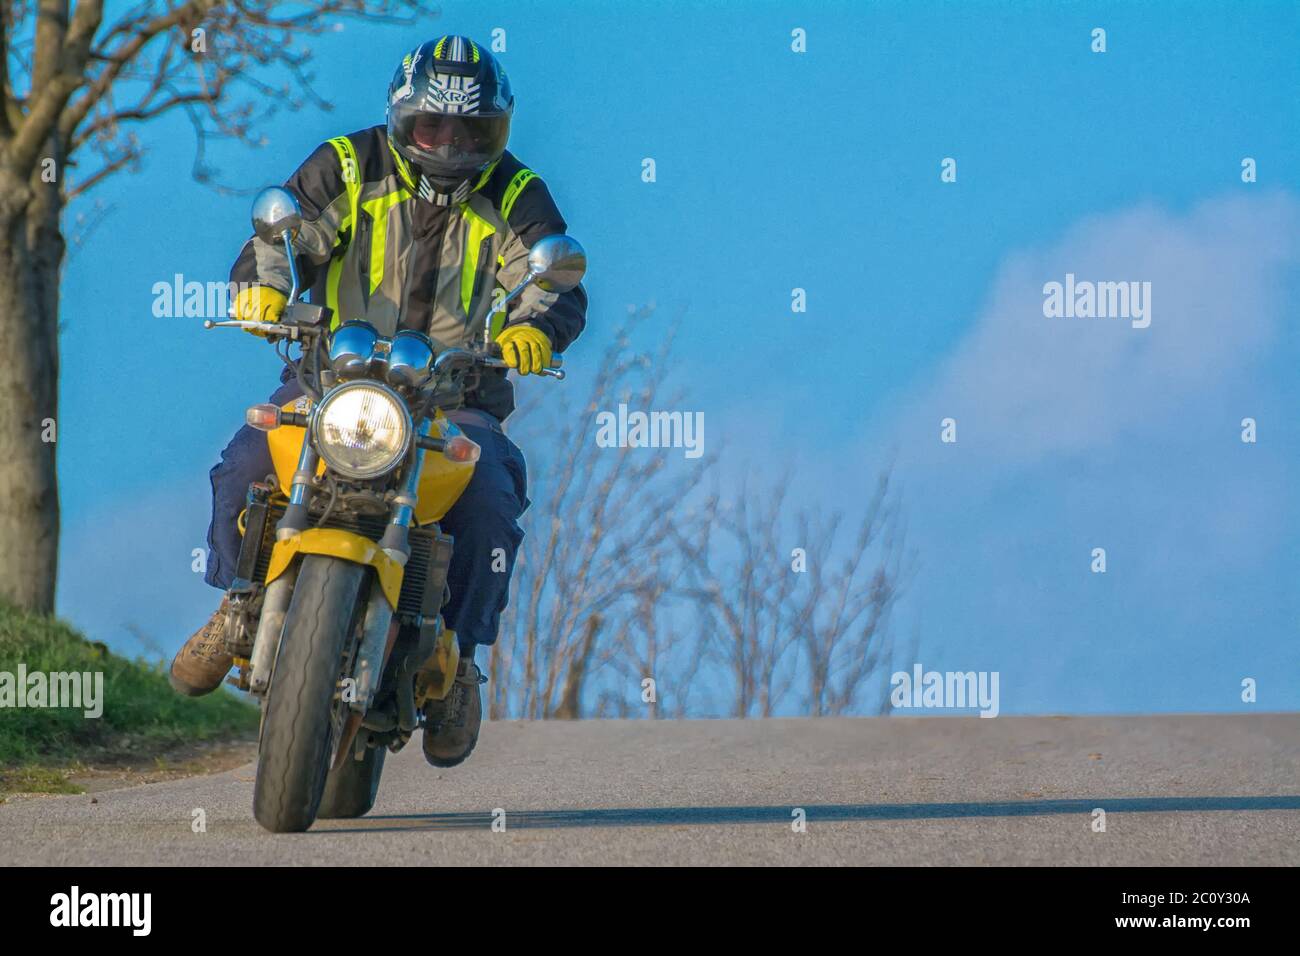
(293, 332)
(268, 328)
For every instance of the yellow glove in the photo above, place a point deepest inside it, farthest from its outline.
(525, 348)
(259, 303)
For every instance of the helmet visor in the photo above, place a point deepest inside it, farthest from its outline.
(448, 144)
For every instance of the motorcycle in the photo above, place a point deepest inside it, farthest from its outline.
(342, 569)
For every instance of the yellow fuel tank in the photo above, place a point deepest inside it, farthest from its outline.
(441, 482)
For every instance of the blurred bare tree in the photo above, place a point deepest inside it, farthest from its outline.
(840, 613)
(76, 87)
(794, 604)
(635, 585)
(742, 595)
(599, 535)
(656, 646)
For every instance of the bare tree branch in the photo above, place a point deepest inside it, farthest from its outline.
(86, 85)
(128, 157)
(61, 57)
(114, 62)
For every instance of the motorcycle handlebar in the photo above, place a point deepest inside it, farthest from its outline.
(302, 331)
(554, 371)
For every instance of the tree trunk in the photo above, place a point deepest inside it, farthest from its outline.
(496, 709)
(570, 707)
(31, 255)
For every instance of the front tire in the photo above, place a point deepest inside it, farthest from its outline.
(297, 723)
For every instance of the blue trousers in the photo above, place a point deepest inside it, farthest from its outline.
(484, 522)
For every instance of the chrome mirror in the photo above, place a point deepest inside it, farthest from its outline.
(557, 263)
(277, 217)
(275, 212)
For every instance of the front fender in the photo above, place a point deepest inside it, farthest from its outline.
(339, 544)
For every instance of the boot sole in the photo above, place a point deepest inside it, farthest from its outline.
(190, 690)
(445, 762)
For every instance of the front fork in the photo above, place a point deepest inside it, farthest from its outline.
(275, 605)
(295, 518)
(275, 602)
(379, 614)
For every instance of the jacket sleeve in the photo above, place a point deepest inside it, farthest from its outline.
(318, 184)
(562, 317)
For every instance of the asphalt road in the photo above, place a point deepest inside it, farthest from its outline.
(1199, 790)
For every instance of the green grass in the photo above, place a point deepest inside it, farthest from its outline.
(35, 780)
(141, 712)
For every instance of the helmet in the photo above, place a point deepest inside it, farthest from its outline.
(449, 109)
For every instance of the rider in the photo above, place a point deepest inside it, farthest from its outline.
(416, 225)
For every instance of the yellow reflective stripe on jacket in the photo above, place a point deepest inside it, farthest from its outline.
(403, 168)
(351, 176)
(479, 229)
(332, 291)
(498, 319)
(517, 184)
(378, 210)
(352, 181)
(486, 175)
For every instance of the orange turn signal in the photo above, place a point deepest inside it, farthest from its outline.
(460, 448)
(264, 418)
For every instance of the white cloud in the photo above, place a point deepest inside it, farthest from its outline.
(1024, 388)
(1082, 433)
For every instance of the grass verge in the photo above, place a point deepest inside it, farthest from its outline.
(141, 714)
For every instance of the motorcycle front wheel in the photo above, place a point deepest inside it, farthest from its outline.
(350, 790)
(298, 730)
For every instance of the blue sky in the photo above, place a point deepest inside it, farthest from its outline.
(821, 171)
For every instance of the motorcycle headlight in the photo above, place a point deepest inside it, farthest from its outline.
(362, 429)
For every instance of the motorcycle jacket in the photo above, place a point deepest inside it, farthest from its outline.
(374, 247)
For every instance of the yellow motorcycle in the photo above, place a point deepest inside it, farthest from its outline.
(342, 569)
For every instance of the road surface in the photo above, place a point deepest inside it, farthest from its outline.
(1198, 790)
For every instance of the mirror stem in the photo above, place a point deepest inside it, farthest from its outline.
(293, 266)
(501, 307)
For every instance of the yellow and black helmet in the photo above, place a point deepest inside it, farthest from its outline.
(449, 109)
